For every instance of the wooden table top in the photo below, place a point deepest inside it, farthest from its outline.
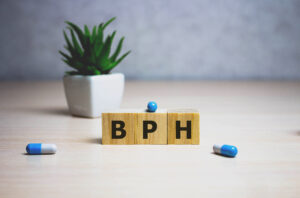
(261, 118)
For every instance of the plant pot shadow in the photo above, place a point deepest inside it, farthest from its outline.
(56, 111)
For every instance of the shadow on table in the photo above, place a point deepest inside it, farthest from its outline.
(94, 140)
(293, 133)
(38, 154)
(55, 111)
(213, 153)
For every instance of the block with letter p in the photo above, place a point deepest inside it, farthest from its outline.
(183, 126)
(151, 128)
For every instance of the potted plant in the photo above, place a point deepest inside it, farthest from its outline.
(90, 88)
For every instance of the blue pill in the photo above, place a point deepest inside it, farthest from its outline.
(152, 106)
(39, 148)
(226, 150)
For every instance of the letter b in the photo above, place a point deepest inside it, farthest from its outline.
(120, 128)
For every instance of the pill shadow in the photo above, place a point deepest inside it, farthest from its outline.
(38, 154)
(221, 155)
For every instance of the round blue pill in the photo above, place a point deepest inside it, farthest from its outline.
(152, 106)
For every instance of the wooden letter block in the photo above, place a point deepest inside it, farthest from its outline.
(183, 127)
(151, 128)
(161, 127)
(118, 128)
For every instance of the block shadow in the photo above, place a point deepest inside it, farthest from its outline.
(94, 140)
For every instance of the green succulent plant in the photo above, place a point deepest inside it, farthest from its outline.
(91, 55)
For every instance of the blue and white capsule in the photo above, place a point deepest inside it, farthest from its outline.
(225, 150)
(39, 148)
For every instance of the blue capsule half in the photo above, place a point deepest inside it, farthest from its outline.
(225, 150)
(39, 148)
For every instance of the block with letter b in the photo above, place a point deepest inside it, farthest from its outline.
(118, 128)
(183, 126)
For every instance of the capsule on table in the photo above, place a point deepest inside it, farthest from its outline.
(226, 150)
(39, 148)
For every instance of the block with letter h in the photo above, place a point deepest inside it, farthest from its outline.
(161, 127)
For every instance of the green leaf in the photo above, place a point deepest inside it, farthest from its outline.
(108, 22)
(122, 57)
(103, 59)
(64, 55)
(87, 31)
(69, 46)
(79, 33)
(100, 33)
(107, 45)
(101, 48)
(94, 34)
(113, 35)
(69, 63)
(76, 45)
(67, 59)
(118, 50)
(67, 40)
(114, 64)
(97, 72)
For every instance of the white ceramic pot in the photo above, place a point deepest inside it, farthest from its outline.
(89, 96)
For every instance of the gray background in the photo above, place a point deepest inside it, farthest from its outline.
(169, 39)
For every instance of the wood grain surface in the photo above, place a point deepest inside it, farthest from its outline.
(261, 118)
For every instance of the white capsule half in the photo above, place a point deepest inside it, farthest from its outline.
(48, 148)
(217, 148)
